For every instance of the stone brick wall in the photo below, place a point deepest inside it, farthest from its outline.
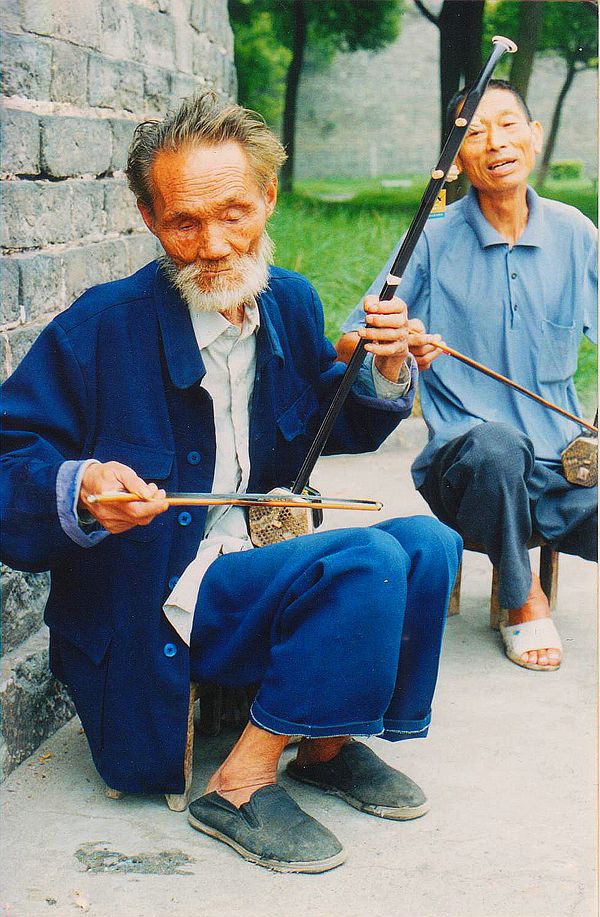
(78, 76)
(377, 113)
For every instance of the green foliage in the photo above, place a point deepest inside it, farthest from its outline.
(264, 30)
(568, 29)
(261, 61)
(566, 169)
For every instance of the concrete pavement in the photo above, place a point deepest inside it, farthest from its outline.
(509, 767)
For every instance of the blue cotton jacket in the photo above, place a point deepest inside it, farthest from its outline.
(117, 377)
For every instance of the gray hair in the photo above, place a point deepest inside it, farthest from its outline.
(202, 119)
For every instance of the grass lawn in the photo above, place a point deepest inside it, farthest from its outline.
(339, 232)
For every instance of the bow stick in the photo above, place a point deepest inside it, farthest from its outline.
(205, 499)
(449, 153)
(480, 367)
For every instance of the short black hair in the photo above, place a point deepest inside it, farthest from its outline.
(462, 94)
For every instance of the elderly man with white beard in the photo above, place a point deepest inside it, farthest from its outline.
(209, 371)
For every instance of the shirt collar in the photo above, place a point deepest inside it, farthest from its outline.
(208, 326)
(487, 235)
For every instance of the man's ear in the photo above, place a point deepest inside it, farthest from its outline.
(271, 195)
(537, 132)
(147, 216)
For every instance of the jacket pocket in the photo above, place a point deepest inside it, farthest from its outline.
(559, 347)
(153, 465)
(84, 655)
(294, 420)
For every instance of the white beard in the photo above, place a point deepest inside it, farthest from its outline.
(226, 294)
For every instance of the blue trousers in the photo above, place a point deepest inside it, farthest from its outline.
(341, 630)
(488, 485)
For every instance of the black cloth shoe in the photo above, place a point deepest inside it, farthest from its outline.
(366, 782)
(270, 830)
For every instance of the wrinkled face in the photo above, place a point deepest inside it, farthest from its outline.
(209, 212)
(499, 151)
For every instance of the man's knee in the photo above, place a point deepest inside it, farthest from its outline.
(500, 449)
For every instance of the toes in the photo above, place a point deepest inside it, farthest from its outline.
(542, 657)
(554, 657)
(530, 657)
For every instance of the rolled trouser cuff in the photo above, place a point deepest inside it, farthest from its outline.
(264, 720)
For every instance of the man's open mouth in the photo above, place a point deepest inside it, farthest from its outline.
(504, 164)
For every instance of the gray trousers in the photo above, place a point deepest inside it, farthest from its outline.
(488, 486)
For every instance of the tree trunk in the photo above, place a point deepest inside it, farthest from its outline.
(461, 25)
(291, 93)
(531, 15)
(551, 141)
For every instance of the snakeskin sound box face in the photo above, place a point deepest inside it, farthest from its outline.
(580, 461)
(272, 524)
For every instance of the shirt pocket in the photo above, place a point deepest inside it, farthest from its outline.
(295, 420)
(559, 346)
(153, 465)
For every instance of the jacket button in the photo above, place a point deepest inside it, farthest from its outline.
(193, 458)
(173, 582)
(169, 649)
(184, 518)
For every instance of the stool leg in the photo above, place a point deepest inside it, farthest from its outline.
(495, 610)
(454, 603)
(178, 802)
(549, 574)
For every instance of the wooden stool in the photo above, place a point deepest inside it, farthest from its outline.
(548, 579)
(218, 705)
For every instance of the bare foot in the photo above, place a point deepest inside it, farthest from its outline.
(536, 606)
(250, 765)
(313, 751)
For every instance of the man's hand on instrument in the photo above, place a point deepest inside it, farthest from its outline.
(422, 345)
(118, 517)
(386, 334)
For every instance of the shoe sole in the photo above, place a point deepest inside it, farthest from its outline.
(311, 866)
(406, 813)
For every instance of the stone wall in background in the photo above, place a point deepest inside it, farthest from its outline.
(377, 113)
(78, 76)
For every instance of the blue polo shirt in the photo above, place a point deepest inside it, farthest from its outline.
(521, 310)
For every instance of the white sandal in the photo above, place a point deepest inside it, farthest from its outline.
(540, 634)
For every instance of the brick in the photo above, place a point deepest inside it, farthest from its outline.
(184, 86)
(26, 67)
(142, 248)
(9, 291)
(115, 84)
(117, 39)
(5, 358)
(34, 213)
(20, 341)
(69, 74)
(76, 21)
(20, 142)
(11, 15)
(122, 132)
(34, 703)
(75, 146)
(86, 210)
(24, 597)
(120, 207)
(157, 90)
(154, 38)
(199, 15)
(90, 265)
(42, 285)
(206, 59)
(184, 37)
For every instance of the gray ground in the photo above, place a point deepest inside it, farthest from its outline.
(509, 766)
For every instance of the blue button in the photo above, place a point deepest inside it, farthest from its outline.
(173, 582)
(193, 458)
(184, 518)
(169, 649)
